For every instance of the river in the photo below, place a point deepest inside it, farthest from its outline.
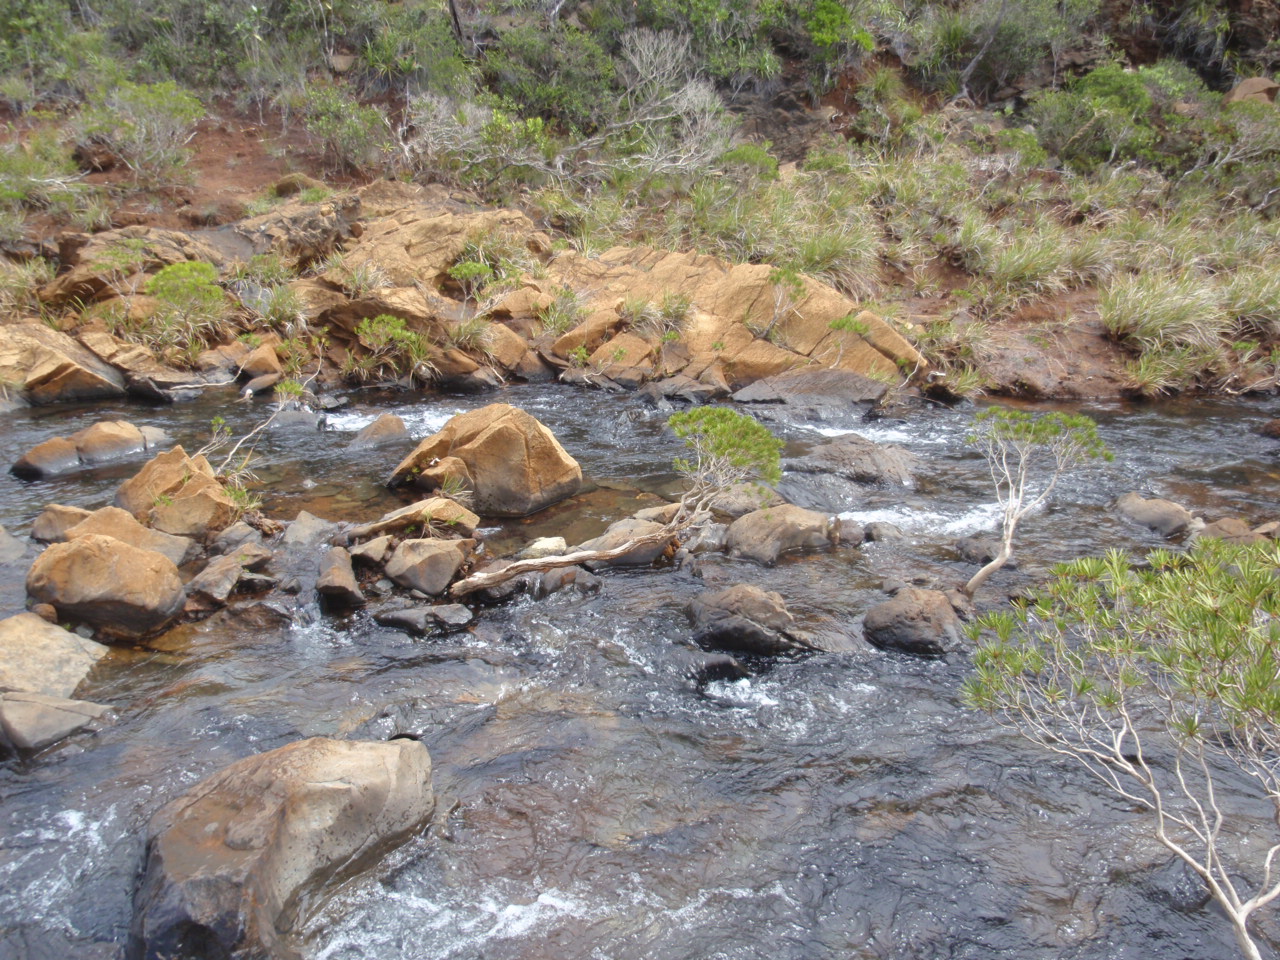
(600, 794)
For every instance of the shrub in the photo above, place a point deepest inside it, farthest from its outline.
(146, 125)
(352, 137)
(563, 313)
(386, 348)
(561, 74)
(192, 308)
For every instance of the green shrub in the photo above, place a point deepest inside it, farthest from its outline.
(352, 137)
(754, 157)
(386, 348)
(192, 308)
(560, 74)
(146, 125)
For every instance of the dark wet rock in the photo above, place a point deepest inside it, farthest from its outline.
(100, 443)
(337, 581)
(120, 524)
(746, 619)
(47, 459)
(51, 367)
(848, 532)
(764, 535)
(1232, 530)
(387, 428)
(424, 620)
(707, 538)
(1163, 516)
(31, 721)
(619, 534)
(121, 590)
(878, 530)
(40, 657)
(686, 388)
(856, 458)
(979, 550)
(296, 561)
(514, 465)
(235, 862)
(914, 621)
(1271, 429)
(428, 565)
(212, 587)
(235, 537)
(580, 580)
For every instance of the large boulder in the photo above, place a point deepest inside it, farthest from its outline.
(514, 465)
(178, 494)
(124, 591)
(747, 619)
(245, 853)
(1163, 516)
(40, 657)
(914, 621)
(50, 367)
(764, 535)
(114, 522)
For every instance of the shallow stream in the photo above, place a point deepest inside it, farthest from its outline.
(597, 799)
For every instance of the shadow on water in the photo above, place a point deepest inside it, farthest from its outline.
(597, 798)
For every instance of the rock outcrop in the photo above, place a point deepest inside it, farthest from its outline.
(123, 591)
(745, 619)
(244, 853)
(511, 462)
(51, 367)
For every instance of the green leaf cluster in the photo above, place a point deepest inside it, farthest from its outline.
(725, 440)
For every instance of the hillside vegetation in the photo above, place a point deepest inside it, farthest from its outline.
(961, 168)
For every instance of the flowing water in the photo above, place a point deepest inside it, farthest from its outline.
(600, 794)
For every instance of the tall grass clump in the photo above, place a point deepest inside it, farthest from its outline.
(1158, 311)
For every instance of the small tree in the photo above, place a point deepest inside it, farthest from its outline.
(1157, 679)
(728, 449)
(1027, 455)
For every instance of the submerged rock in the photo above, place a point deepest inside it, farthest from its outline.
(30, 721)
(514, 465)
(234, 862)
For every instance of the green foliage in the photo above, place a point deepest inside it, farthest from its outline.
(563, 313)
(728, 448)
(190, 311)
(147, 125)
(1157, 678)
(472, 275)
(353, 137)
(561, 74)
(755, 157)
(386, 348)
(579, 356)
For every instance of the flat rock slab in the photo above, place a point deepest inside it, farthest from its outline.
(30, 721)
(40, 657)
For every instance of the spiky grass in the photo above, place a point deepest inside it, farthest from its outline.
(1160, 312)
